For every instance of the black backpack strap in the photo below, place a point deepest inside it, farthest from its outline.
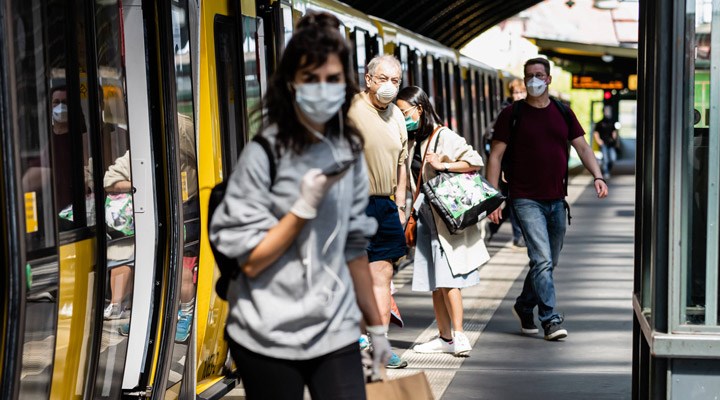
(515, 116)
(568, 121)
(262, 141)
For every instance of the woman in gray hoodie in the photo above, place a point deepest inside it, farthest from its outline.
(299, 239)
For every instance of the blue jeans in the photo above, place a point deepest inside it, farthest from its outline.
(543, 224)
(609, 156)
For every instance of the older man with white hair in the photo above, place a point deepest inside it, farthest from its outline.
(382, 125)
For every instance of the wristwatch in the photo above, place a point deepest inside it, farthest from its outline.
(446, 168)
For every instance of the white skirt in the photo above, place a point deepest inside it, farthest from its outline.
(431, 269)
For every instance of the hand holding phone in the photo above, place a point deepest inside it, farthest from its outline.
(337, 168)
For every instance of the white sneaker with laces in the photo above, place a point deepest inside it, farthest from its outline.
(462, 345)
(113, 311)
(436, 345)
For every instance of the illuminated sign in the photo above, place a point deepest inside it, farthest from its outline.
(597, 81)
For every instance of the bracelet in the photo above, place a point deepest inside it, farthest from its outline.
(599, 179)
(401, 207)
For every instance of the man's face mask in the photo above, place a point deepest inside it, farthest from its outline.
(319, 102)
(536, 87)
(60, 113)
(386, 92)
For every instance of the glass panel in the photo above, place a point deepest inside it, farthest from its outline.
(361, 56)
(189, 184)
(287, 24)
(696, 274)
(34, 121)
(227, 86)
(252, 71)
(117, 184)
(34, 58)
(404, 65)
(439, 86)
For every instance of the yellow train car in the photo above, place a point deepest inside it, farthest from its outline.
(118, 118)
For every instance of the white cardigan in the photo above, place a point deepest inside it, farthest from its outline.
(466, 249)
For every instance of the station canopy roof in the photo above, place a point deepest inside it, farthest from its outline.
(453, 23)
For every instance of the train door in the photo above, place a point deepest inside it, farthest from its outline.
(68, 119)
(172, 375)
(223, 118)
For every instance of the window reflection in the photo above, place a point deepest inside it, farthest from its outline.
(252, 70)
(361, 57)
(189, 191)
(697, 273)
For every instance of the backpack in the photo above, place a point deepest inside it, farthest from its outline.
(229, 268)
(514, 121)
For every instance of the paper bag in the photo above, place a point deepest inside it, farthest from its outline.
(412, 387)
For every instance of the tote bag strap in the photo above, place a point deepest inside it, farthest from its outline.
(422, 166)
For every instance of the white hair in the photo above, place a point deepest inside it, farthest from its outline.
(377, 60)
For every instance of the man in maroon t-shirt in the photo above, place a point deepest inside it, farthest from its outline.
(538, 165)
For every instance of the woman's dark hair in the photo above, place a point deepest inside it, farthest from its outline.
(417, 97)
(316, 37)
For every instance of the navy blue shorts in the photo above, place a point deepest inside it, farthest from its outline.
(389, 240)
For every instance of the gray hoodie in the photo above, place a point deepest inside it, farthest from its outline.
(303, 305)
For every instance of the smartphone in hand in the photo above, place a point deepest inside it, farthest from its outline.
(337, 168)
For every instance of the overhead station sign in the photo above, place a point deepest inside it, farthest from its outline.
(598, 81)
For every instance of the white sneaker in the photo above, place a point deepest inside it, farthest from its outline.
(113, 311)
(462, 345)
(436, 345)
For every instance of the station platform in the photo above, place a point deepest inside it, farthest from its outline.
(594, 283)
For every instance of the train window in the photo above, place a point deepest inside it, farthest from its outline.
(698, 176)
(402, 54)
(359, 40)
(117, 185)
(253, 95)
(439, 88)
(478, 86)
(416, 77)
(451, 94)
(189, 185)
(428, 78)
(286, 22)
(375, 48)
(226, 59)
(465, 104)
(33, 21)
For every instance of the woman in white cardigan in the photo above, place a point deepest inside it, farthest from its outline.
(444, 263)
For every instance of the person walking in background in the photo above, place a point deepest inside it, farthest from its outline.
(382, 125)
(444, 262)
(537, 167)
(606, 136)
(518, 92)
(300, 239)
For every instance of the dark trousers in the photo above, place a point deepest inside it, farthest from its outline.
(337, 375)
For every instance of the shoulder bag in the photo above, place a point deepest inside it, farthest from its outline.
(411, 226)
(461, 199)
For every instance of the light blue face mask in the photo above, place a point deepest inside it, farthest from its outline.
(410, 124)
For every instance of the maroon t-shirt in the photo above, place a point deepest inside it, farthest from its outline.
(538, 159)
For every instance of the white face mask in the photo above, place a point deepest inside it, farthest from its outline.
(320, 101)
(60, 113)
(386, 93)
(536, 87)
